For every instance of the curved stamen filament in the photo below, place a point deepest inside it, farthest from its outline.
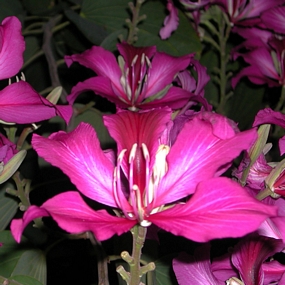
(118, 185)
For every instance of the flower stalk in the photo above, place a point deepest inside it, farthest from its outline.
(136, 271)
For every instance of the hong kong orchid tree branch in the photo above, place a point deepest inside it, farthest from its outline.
(220, 31)
(132, 24)
(48, 32)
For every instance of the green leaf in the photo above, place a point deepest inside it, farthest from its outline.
(25, 280)
(95, 118)
(184, 40)
(108, 14)
(93, 32)
(8, 206)
(11, 282)
(16, 260)
(10, 252)
(11, 8)
(36, 7)
(32, 46)
(111, 16)
(32, 263)
(245, 103)
(163, 270)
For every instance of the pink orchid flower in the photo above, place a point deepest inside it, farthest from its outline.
(249, 256)
(20, 98)
(151, 181)
(266, 64)
(141, 79)
(244, 12)
(246, 265)
(274, 19)
(195, 269)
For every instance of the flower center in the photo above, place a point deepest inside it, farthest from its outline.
(141, 195)
(135, 77)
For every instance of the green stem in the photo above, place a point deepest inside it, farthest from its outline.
(281, 100)
(132, 24)
(263, 194)
(224, 32)
(139, 234)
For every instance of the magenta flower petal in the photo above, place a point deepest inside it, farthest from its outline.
(171, 21)
(219, 208)
(18, 225)
(129, 52)
(249, 255)
(75, 216)
(164, 69)
(274, 19)
(78, 155)
(140, 75)
(12, 46)
(21, 99)
(268, 116)
(223, 268)
(175, 97)
(101, 86)
(143, 128)
(273, 272)
(203, 150)
(101, 61)
(195, 269)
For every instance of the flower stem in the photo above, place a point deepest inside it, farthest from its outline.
(224, 32)
(281, 100)
(136, 270)
(139, 234)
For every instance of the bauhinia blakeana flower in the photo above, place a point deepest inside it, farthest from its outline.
(247, 265)
(249, 256)
(141, 79)
(176, 187)
(243, 12)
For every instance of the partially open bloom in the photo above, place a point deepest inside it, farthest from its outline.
(266, 64)
(247, 265)
(141, 79)
(243, 12)
(152, 181)
(10, 158)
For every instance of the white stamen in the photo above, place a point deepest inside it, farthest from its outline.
(148, 62)
(134, 60)
(145, 152)
(133, 152)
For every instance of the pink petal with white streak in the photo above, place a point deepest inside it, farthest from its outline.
(78, 155)
(219, 208)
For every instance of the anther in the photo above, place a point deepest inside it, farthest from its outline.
(145, 152)
(133, 152)
(148, 62)
(134, 60)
